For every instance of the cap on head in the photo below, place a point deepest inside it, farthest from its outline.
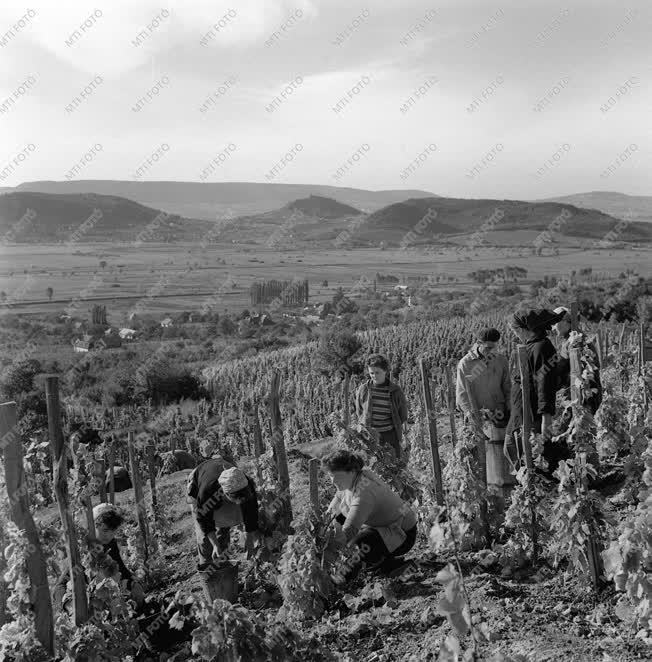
(488, 335)
(232, 480)
(561, 309)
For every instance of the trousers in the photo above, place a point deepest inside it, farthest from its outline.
(373, 553)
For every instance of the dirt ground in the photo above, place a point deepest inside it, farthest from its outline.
(541, 617)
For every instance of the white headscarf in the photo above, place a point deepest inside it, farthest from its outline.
(232, 480)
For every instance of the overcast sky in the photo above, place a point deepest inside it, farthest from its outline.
(577, 55)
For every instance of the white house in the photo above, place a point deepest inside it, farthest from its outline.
(401, 288)
(127, 334)
(167, 322)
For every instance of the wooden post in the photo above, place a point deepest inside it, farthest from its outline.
(524, 371)
(313, 475)
(593, 554)
(138, 492)
(621, 337)
(599, 345)
(432, 429)
(111, 461)
(575, 372)
(4, 589)
(18, 495)
(151, 466)
(450, 387)
(100, 474)
(279, 447)
(482, 455)
(641, 346)
(574, 316)
(60, 483)
(346, 405)
(259, 446)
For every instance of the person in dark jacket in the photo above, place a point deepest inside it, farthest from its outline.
(381, 405)
(106, 555)
(221, 496)
(531, 327)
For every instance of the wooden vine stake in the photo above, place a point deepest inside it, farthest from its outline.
(450, 388)
(141, 511)
(60, 483)
(592, 544)
(313, 475)
(524, 371)
(111, 461)
(482, 456)
(574, 316)
(17, 493)
(346, 399)
(279, 448)
(151, 468)
(432, 430)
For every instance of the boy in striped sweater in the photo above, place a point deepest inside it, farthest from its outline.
(381, 405)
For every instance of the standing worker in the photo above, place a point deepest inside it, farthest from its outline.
(221, 496)
(531, 328)
(381, 405)
(483, 381)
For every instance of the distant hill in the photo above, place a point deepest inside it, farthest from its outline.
(458, 216)
(36, 217)
(316, 205)
(210, 201)
(618, 205)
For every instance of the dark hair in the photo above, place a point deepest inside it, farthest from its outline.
(378, 361)
(488, 335)
(343, 460)
(111, 519)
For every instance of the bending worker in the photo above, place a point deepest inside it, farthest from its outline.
(221, 496)
(106, 555)
(370, 515)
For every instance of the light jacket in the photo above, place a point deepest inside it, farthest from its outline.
(371, 503)
(398, 405)
(488, 380)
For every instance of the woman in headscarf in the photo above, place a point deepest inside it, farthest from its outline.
(532, 327)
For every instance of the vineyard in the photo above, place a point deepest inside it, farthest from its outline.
(564, 573)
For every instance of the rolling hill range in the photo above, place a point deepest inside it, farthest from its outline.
(210, 201)
(322, 223)
(618, 205)
(41, 217)
(458, 216)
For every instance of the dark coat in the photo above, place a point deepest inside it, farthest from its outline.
(204, 487)
(543, 361)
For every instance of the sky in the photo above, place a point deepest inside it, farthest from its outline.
(516, 99)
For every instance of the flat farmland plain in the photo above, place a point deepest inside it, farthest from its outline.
(166, 278)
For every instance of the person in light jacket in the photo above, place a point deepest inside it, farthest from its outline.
(381, 405)
(369, 514)
(486, 374)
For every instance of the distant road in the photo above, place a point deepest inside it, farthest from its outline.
(126, 297)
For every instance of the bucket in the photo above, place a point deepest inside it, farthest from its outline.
(220, 581)
(498, 468)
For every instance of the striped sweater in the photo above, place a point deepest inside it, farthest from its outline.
(381, 408)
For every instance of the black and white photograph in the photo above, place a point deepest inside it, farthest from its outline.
(325, 331)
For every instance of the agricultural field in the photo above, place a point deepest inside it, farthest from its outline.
(480, 587)
(169, 278)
